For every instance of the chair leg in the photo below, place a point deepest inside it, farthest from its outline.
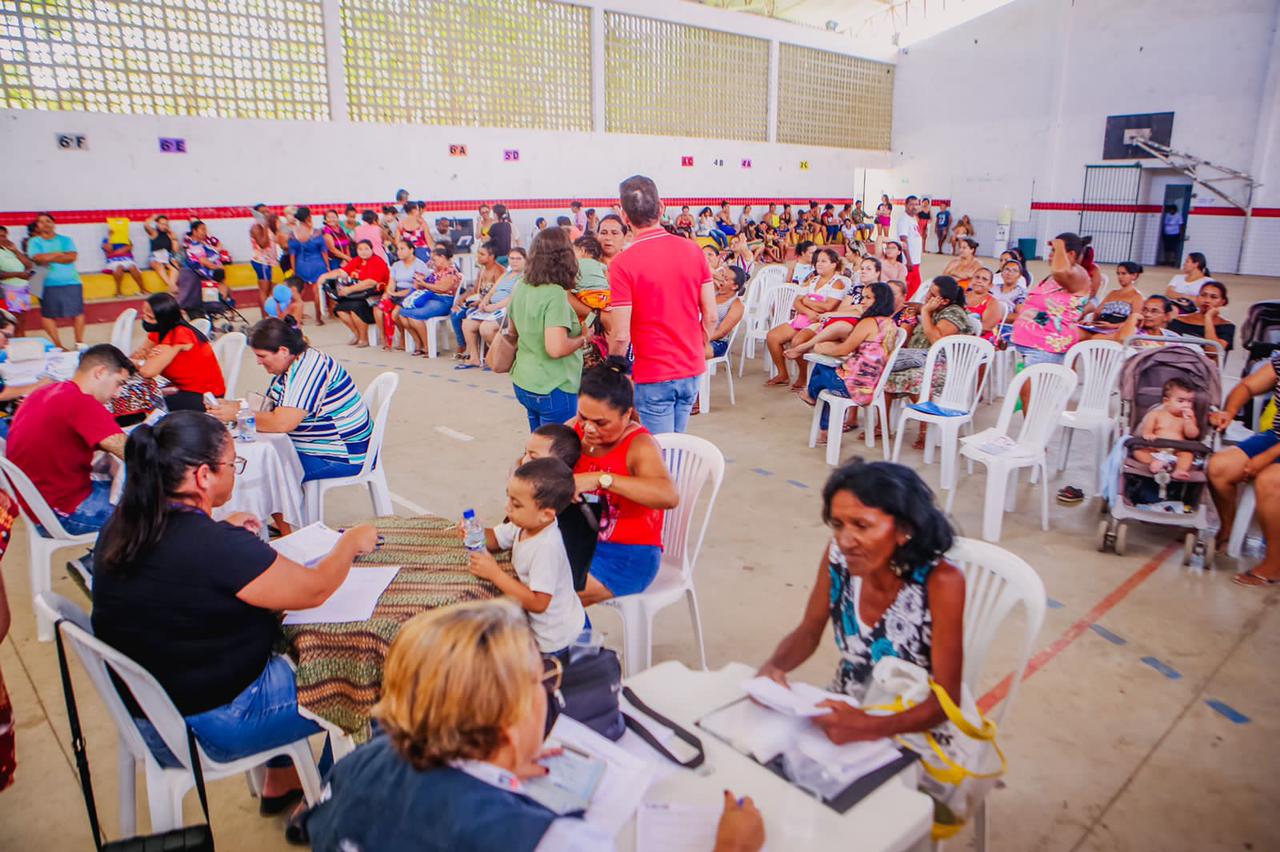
(1244, 517)
(40, 570)
(380, 493)
(728, 372)
(160, 800)
(313, 501)
(433, 348)
(635, 635)
(1044, 497)
(126, 778)
(835, 432)
(815, 426)
(980, 826)
(704, 392)
(308, 774)
(1064, 447)
(1011, 493)
(950, 448)
(993, 503)
(692, 597)
(951, 494)
(897, 439)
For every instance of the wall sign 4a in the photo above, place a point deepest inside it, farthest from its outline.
(173, 146)
(457, 150)
(804, 165)
(686, 162)
(511, 155)
(746, 164)
(72, 141)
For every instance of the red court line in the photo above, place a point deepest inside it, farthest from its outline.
(1072, 633)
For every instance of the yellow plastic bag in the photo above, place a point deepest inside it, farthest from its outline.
(1268, 419)
(118, 230)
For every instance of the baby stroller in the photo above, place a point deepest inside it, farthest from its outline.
(222, 314)
(1139, 495)
(1260, 336)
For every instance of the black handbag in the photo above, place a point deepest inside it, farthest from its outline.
(590, 687)
(191, 838)
(699, 756)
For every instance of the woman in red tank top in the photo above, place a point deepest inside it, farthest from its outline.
(622, 463)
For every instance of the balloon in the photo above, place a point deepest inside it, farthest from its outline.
(283, 295)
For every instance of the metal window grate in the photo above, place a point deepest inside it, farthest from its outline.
(488, 63)
(835, 100)
(234, 59)
(1109, 210)
(672, 79)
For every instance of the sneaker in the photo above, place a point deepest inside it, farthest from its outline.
(1070, 495)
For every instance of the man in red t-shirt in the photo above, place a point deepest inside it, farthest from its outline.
(663, 305)
(58, 429)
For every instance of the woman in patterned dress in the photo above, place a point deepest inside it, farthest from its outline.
(888, 591)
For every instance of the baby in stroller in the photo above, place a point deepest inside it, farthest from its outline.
(1175, 419)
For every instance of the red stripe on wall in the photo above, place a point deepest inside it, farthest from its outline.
(1076, 207)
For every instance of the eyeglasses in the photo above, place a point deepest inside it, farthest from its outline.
(552, 674)
(239, 464)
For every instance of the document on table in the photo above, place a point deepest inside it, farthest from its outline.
(621, 788)
(801, 699)
(308, 545)
(354, 600)
(571, 780)
(676, 827)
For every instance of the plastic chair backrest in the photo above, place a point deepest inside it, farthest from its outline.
(963, 354)
(203, 325)
(99, 659)
(1051, 387)
(25, 349)
(764, 278)
(759, 304)
(229, 350)
(995, 582)
(896, 342)
(1097, 363)
(122, 331)
(694, 463)
(32, 502)
(733, 335)
(779, 304)
(378, 398)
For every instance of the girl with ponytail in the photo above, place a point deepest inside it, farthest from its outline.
(197, 602)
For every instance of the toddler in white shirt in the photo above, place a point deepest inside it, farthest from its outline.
(543, 585)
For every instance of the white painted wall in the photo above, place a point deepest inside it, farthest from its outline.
(1010, 107)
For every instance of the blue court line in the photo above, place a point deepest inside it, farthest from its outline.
(1231, 713)
(1108, 635)
(796, 483)
(762, 471)
(1053, 604)
(1164, 668)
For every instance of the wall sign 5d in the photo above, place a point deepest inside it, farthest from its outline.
(173, 146)
(687, 162)
(457, 150)
(72, 141)
(511, 155)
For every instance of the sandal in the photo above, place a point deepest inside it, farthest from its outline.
(1253, 581)
(295, 827)
(1070, 495)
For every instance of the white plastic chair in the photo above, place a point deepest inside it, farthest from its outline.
(122, 331)
(757, 314)
(704, 388)
(694, 464)
(840, 406)
(778, 306)
(1051, 387)
(373, 473)
(229, 350)
(40, 546)
(964, 354)
(433, 334)
(1245, 510)
(166, 787)
(1097, 363)
(996, 581)
(202, 325)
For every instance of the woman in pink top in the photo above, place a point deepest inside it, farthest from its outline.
(370, 230)
(1049, 322)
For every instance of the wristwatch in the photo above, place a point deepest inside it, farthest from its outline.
(606, 481)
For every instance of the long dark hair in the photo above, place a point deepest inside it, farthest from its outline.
(271, 334)
(551, 260)
(881, 301)
(1199, 260)
(610, 383)
(157, 458)
(949, 289)
(169, 316)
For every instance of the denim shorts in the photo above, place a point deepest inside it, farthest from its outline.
(625, 569)
(321, 467)
(264, 271)
(1258, 444)
(719, 347)
(92, 513)
(1032, 356)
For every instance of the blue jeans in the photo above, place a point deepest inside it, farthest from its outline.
(90, 515)
(625, 569)
(824, 378)
(433, 306)
(319, 467)
(665, 406)
(264, 716)
(544, 408)
(455, 319)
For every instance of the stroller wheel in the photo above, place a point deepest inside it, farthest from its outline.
(1102, 538)
(1122, 536)
(1188, 547)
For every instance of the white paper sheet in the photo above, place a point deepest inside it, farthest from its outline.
(354, 600)
(801, 699)
(626, 777)
(308, 545)
(847, 762)
(753, 729)
(676, 827)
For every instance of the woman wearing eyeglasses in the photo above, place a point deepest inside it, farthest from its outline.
(197, 602)
(466, 703)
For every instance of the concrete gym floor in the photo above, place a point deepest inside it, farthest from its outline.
(1146, 724)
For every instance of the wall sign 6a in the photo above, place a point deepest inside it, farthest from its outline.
(457, 150)
(72, 141)
(173, 146)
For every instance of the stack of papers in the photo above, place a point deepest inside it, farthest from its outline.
(308, 545)
(354, 600)
(620, 788)
(990, 441)
(801, 699)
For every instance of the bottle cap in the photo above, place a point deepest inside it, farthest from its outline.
(469, 514)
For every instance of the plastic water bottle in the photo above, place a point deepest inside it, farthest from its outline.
(473, 531)
(246, 424)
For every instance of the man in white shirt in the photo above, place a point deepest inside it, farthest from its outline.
(908, 231)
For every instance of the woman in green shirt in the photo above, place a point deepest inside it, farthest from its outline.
(548, 365)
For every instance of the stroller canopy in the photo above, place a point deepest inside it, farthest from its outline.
(1143, 376)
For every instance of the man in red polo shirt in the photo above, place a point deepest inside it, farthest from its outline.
(663, 305)
(58, 429)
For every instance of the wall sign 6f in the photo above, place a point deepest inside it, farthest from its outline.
(173, 146)
(72, 141)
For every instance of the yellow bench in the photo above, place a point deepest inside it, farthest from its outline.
(99, 286)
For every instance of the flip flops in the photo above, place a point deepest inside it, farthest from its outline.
(1252, 580)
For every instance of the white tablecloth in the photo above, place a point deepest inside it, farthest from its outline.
(271, 482)
(895, 818)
